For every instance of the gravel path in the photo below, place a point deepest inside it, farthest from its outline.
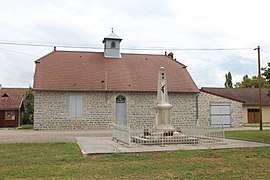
(17, 135)
(11, 136)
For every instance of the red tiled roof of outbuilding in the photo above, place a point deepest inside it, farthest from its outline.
(11, 98)
(10, 103)
(13, 91)
(84, 71)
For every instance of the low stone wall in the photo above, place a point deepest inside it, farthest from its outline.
(99, 109)
(205, 101)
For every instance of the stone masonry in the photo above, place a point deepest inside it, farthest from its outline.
(205, 101)
(99, 109)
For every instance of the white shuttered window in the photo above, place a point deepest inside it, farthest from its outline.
(75, 106)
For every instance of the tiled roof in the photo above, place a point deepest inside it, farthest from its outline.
(249, 96)
(10, 102)
(12, 97)
(73, 70)
(13, 91)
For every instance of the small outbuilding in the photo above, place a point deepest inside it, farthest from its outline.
(249, 99)
(11, 106)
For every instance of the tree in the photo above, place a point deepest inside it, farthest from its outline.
(252, 82)
(266, 72)
(28, 114)
(248, 82)
(228, 83)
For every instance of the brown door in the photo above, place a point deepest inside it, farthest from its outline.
(2, 118)
(253, 116)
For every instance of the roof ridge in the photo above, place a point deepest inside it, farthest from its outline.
(60, 71)
(221, 95)
(39, 59)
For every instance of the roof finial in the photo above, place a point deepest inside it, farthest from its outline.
(112, 30)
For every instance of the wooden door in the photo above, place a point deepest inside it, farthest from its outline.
(253, 116)
(121, 117)
(2, 118)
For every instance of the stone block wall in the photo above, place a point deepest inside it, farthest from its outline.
(99, 109)
(184, 111)
(206, 99)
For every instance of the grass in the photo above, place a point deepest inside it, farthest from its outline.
(64, 161)
(256, 125)
(26, 126)
(254, 135)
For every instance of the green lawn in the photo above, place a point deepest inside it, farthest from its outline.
(256, 125)
(27, 126)
(254, 135)
(64, 161)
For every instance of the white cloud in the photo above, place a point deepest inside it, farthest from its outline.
(171, 23)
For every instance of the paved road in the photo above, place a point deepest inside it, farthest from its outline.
(11, 136)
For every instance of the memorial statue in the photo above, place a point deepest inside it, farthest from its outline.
(163, 107)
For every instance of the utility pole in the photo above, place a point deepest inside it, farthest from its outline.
(260, 86)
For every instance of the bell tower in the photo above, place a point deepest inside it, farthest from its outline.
(112, 46)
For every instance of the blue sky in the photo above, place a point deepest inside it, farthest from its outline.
(171, 25)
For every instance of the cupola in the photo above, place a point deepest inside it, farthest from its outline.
(112, 46)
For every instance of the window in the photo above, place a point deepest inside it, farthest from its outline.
(113, 44)
(75, 106)
(120, 99)
(10, 115)
(253, 110)
(220, 114)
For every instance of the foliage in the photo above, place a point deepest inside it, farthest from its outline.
(252, 82)
(254, 135)
(228, 82)
(28, 114)
(64, 161)
(266, 72)
(248, 82)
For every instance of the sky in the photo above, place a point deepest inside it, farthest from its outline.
(193, 30)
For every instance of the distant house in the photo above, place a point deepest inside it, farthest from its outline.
(86, 90)
(249, 99)
(11, 106)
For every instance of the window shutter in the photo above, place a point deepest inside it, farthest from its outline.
(75, 106)
(72, 106)
(79, 105)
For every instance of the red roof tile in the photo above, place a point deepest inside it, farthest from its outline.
(11, 98)
(10, 102)
(13, 91)
(69, 70)
(249, 96)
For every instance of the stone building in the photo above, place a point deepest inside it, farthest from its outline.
(87, 90)
(247, 99)
(215, 110)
